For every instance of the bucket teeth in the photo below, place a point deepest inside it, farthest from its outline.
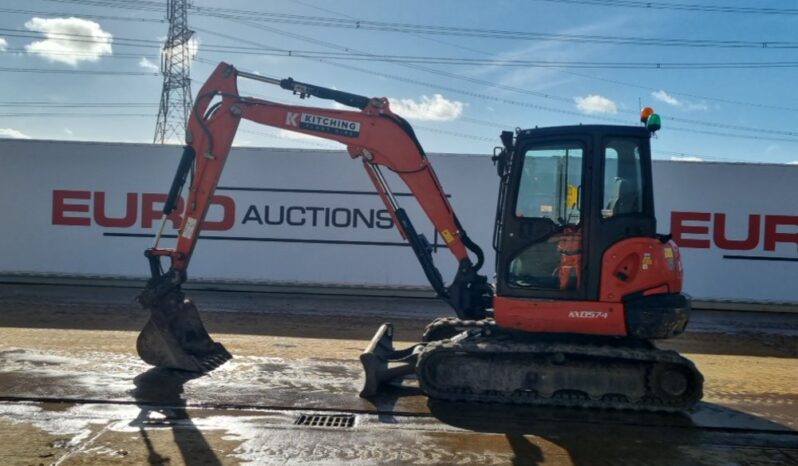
(175, 338)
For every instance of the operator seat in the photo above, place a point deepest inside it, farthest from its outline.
(624, 199)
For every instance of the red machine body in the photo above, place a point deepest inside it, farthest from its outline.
(577, 251)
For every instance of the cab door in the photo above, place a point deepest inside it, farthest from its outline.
(543, 222)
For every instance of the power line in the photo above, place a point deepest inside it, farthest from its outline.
(459, 77)
(459, 61)
(682, 6)
(50, 104)
(428, 60)
(685, 94)
(423, 36)
(73, 71)
(82, 15)
(46, 104)
(720, 125)
(562, 99)
(210, 48)
(461, 135)
(382, 26)
(353, 55)
(74, 37)
(74, 115)
(137, 5)
(475, 94)
(611, 119)
(61, 53)
(413, 28)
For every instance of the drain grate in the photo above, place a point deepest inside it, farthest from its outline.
(339, 421)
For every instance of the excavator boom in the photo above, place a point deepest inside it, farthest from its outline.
(380, 138)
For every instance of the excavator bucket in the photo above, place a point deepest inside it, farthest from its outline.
(175, 337)
(382, 363)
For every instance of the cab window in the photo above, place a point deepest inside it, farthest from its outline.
(623, 180)
(550, 184)
(550, 190)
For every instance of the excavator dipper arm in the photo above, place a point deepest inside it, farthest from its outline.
(376, 135)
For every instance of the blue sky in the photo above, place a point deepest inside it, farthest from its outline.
(739, 114)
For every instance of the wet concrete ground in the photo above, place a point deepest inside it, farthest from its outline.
(72, 391)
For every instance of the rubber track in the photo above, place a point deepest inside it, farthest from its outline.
(476, 345)
(455, 324)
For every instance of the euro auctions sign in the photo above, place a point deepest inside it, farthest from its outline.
(86, 208)
(91, 209)
(736, 225)
(762, 233)
(277, 216)
(144, 210)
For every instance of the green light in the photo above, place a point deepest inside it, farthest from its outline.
(654, 123)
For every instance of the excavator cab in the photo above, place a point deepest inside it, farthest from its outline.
(575, 225)
(568, 192)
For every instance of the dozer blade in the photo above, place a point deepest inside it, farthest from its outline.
(379, 355)
(175, 338)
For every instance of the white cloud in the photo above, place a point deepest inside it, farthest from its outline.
(436, 108)
(686, 158)
(3, 44)
(595, 104)
(663, 96)
(69, 40)
(148, 65)
(68, 132)
(794, 162)
(13, 134)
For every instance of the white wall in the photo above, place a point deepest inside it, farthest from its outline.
(337, 251)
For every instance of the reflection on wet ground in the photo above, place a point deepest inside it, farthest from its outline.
(252, 402)
(606, 437)
(83, 397)
(167, 388)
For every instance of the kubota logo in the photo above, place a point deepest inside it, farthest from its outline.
(588, 315)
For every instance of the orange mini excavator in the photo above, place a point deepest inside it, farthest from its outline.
(583, 280)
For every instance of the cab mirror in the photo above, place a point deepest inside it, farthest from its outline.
(501, 154)
(499, 160)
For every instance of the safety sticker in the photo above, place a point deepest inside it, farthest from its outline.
(447, 236)
(188, 230)
(669, 260)
(647, 260)
(546, 208)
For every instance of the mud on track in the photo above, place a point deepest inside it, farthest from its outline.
(73, 392)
